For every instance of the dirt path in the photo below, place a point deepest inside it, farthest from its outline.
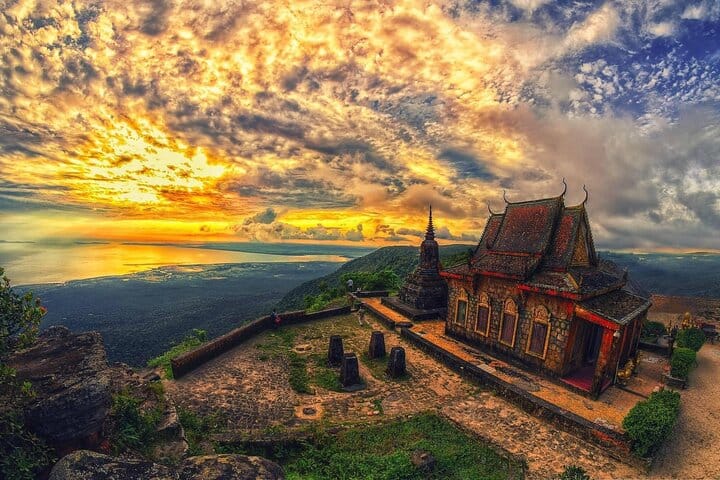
(693, 451)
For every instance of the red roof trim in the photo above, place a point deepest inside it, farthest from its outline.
(550, 291)
(595, 318)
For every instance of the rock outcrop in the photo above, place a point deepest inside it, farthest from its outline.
(71, 378)
(87, 465)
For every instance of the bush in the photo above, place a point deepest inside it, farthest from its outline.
(653, 329)
(135, 428)
(573, 472)
(650, 422)
(193, 340)
(683, 360)
(381, 280)
(690, 338)
(22, 454)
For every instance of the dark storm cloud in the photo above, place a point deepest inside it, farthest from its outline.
(466, 164)
(155, 16)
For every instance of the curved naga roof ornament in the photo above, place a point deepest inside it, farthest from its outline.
(564, 187)
(586, 195)
(490, 209)
(505, 196)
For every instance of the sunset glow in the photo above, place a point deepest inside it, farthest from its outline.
(304, 121)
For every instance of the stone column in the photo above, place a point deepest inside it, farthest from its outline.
(335, 351)
(396, 362)
(605, 354)
(377, 345)
(350, 370)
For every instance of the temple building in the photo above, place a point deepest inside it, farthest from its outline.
(424, 294)
(535, 293)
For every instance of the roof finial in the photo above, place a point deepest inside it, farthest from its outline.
(586, 195)
(490, 209)
(505, 197)
(564, 187)
(430, 233)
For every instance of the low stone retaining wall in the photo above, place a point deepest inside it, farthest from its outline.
(615, 443)
(371, 293)
(189, 361)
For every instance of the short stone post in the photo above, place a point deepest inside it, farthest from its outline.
(335, 351)
(396, 362)
(350, 370)
(377, 345)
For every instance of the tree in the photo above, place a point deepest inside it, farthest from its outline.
(22, 454)
(20, 317)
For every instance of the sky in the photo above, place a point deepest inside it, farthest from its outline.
(213, 120)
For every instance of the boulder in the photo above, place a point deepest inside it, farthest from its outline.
(71, 378)
(87, 465)
(230, 467)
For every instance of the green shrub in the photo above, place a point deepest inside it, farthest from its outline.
(573, 472)
(134, 428)
(683, 360)
(381, 280)
(22, 454)
(197, 428)
(650, 422)
(653, 329)
(690, 338)
(193, 340)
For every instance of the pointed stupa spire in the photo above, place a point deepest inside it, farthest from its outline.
(430, 233)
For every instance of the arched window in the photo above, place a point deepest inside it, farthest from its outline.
(482, 322)
(461, 309)
(508, 324)
(539, 332)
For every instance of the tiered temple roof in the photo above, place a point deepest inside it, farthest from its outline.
(547, 247)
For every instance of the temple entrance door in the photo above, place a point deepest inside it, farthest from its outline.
(592, 344)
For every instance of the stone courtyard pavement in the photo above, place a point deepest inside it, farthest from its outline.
(251, 391)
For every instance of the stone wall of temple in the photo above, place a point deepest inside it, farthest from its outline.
(498, 290)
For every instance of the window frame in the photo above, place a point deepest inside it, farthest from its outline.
(513, 311)
(483, 301)
(545, 320)
(457, 311)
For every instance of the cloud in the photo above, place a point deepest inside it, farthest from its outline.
(267, 216)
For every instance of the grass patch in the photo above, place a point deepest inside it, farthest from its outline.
(134, 427)
(383, 452)
(191, 341)
(378, 367)
(198, 429)
(279, 344)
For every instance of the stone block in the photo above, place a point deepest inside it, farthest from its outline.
(396, 362)
(335, 351)
(377, 345)
(350, 370)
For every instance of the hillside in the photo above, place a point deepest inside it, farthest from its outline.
(401, 260)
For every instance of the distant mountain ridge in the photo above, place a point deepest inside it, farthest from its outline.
(401, 260)
(692, 275)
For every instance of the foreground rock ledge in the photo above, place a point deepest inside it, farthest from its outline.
(87, 465)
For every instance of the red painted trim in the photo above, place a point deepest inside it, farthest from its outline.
(595, 318)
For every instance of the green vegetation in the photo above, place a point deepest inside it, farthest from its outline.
(573, 472)
(22, 454)
(693, 338)
(384, 452)
(384, 279)
(652, 330)
(324, 376)
(683, 360)
(279, 344)
(399, 260)
(134, 427)
(650, 422)
(197, 429)
(193, 340)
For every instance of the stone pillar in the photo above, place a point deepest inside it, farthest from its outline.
(601, 366)
(377, 345)
(396, 362)
(335, 351)
(350, 370)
